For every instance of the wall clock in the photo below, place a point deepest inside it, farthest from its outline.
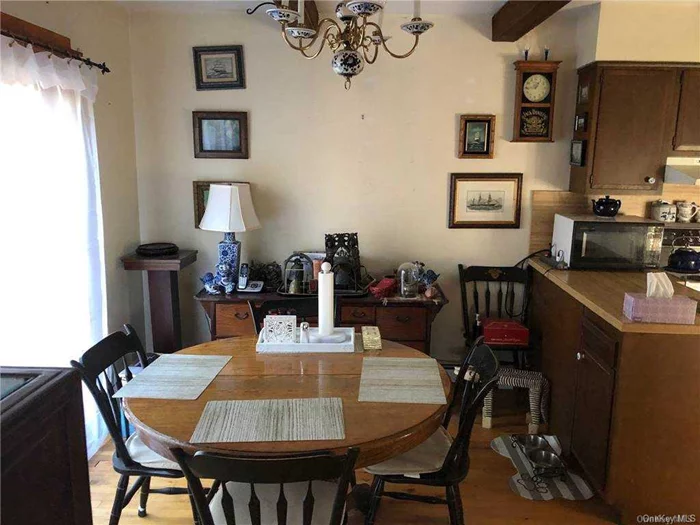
(534, 101)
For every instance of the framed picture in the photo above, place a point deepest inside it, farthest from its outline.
(577, 156)
(200, 190)
(580, 122)
(219, 67)
(582, 94)
(476, 136)
(485, 200)
(220, 134)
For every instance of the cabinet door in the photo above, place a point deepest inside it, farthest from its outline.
(592, 413)
(633, 128)
(556, 318)
(687, 137)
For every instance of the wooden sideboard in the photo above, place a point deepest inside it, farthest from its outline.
(407, 321)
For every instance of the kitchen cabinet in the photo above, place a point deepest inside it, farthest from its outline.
(687, 132)
(623, 394)
(595, 382)
(630, 117)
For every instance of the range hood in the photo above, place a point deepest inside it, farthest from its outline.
(683, 170)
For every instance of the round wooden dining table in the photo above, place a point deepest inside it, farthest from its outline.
(379, 430)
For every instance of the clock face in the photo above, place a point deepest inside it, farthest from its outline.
(536, 88)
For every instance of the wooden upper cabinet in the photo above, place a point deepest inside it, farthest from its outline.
(687, 132)
(632, 129)
(630, 116)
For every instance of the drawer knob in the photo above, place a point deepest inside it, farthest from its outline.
(359, 314)
(403, 318)
(650, 180)
(242, 316)
(580, 356)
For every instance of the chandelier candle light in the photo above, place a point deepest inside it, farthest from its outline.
(354, 40)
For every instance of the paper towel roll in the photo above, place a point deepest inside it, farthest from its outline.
(325, 300)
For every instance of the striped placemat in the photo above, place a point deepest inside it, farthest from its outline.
(271, 420)
(175, 376)
(572, 486)
(401, 380)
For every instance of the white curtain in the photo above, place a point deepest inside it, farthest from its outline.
(53, 305)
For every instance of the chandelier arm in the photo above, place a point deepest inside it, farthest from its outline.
(326, 34)
(374, 56)
(381, 35)
(332, 25)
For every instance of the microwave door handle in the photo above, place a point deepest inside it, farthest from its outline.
(583, 244)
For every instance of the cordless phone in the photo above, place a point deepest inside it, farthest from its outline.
(243, 277)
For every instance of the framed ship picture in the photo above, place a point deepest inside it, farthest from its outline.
(476, 136)
(219, 67)
(485, 200)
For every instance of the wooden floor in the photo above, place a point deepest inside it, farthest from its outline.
(485, 494)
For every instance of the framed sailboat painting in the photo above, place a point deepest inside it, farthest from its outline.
(485, 200)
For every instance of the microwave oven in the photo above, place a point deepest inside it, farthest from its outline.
(588, 242)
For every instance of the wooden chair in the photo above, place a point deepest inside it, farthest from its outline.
(305, 309)
(131, 456)
(478, 285)
(257, 490)
(440, 461)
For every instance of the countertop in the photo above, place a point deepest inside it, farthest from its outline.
(603, 293)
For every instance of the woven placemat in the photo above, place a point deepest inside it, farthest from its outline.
(525, 484)
(262, 420)
(175, 376)
(401, 380)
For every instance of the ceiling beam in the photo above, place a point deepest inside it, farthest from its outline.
(518, 17)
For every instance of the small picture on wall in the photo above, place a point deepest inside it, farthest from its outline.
(220, 134)
(219, 67)
(480, 200)
(580, 122)
(476, 136)
(578, 153)
(200, 190)
(583, 94)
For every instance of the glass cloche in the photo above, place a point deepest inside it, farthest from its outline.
(408, 276)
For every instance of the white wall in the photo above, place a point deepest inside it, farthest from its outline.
(375, 159)
(101, 30)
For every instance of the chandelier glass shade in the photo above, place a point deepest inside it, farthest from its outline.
(353, 38)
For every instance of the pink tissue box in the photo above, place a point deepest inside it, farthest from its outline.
(677, 310)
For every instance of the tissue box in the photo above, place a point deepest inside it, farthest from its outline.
(677, 310)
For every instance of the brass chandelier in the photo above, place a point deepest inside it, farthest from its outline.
(353, 39)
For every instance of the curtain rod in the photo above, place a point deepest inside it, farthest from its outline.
(71, 55)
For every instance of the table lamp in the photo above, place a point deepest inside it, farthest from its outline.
(229, 210)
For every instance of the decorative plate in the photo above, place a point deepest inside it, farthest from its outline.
(364, 8)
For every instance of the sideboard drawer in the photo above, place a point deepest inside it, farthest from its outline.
(357, 314)
(401, 324)
(234, 320)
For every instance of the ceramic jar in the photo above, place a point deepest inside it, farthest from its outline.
(686, 211)
(663, 211)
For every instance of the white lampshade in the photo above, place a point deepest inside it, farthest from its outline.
(229, 209)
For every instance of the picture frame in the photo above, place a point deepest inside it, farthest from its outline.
(577, 154)
(218, 67)
(485, 200)
(220, 134)
(580, 122)
(582, 97)
(200, 194)
(476, 136)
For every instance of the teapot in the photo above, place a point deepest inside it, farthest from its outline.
(683, 259)
(606, 207)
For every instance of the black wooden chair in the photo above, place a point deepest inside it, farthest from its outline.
(305, 309)
(441, 461)
(490, 293)
(293, 489)
(131, 456)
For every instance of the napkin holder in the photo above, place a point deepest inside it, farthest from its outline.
(297, 347)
